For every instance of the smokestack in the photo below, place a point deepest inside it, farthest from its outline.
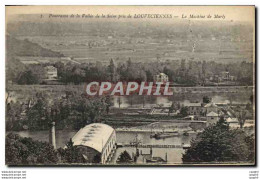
(52, 138)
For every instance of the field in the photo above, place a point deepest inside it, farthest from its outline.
(145, 50)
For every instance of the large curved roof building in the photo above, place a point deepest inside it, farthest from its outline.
(95, 141)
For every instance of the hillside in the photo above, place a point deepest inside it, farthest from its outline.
(15, 47)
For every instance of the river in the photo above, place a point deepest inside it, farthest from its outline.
(174, 155)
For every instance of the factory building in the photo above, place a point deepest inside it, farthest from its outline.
(96, 141)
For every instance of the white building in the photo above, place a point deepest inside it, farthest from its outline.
(233, 122)
(96, 140)
(162, 77)
(212, 118)
(51, 72)
(226, 76)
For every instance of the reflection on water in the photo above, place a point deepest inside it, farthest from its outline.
(62, 137)
(173, 155)
(149, 101)
(144, 137)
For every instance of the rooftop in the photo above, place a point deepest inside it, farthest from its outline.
(50, 68)
(212, 114)
(94, 136)
(210, 105)
(193, 104)
(232, 120)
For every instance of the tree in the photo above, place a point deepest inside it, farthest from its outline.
(184, 111)
(86, 110)
(168, 72)
(241, 115)
(171, 108)
(96, 159)
(108, 103)
(124, 157)
(203, 69)
(111, 70)
(28, 78)
(248, 106)
(119, 101)
(71, 154)
(218, 143)
(149, 75)
(251, 99)
(38, 115)
(33, 74)
(25, 151)
(13, 116)
(183, 65)
(60, 69)
(206, 99)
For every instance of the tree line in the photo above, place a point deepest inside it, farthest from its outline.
(181, 72)
(71, 111)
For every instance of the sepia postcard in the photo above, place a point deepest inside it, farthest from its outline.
(130, 86)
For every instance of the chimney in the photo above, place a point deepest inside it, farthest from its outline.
(52, 138)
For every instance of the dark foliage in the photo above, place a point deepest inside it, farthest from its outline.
(73, 111)
(219, 143)
(184, 111)
(71, 154)
(25, 151)
(206, 99)
(124, 158)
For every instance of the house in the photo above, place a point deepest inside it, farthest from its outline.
(51, 72)
(225, 75)
(199, 109)
(194, 108)
(232, 78)
(222, 77)
(162, 77)
(217, 79)
(212, 118)
(233, 122)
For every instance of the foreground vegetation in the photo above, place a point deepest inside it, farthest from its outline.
(73, 111)
(25, 151)
(220, 144)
